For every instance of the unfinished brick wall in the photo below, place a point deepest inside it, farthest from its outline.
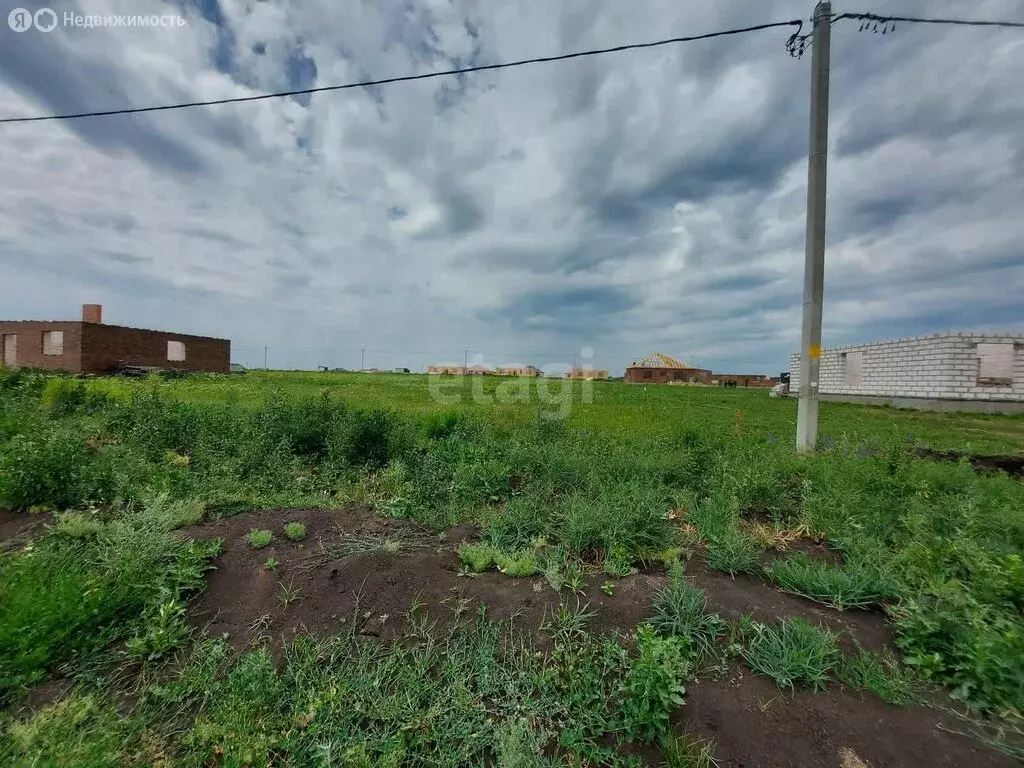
(105, 346)
(743, 379)
(29, 345)
(639, 375)
(97, 348)
(942, 366)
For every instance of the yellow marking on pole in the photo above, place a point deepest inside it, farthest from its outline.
(815, 351)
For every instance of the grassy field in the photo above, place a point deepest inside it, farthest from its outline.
(616, 408)
(649, 479)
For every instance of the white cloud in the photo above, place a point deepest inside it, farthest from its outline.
(637, 201)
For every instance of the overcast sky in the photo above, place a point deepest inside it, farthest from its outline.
(640, 201)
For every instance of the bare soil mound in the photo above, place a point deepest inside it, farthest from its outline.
(741, 595)
(347, 571)
(19, 525)
(755, 724)
(815, 549)
(1011, 465)
(355, 565)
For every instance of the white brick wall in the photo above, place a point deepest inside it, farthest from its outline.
(943, 365)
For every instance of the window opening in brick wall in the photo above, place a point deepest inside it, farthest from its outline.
(995, 364)
(646, 374)
(852, 368)
(53, 342)
(176, 351)
(10, 341)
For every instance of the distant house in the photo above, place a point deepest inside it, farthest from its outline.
(401, 370)
(659, 368)
(742, 380)
(458, 370)
(90, 346)
(517, 370)
(587, 374)
(239, 368)
(947, 371)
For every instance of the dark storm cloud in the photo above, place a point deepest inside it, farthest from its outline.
(462, 210)
(81, 85)
(940, 268)
(739, 282)
(1000, 314)
(921, 84)
(578, 310)
(747, 162)
(123, 223)
(123, 258)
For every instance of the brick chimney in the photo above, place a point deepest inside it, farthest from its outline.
(92, 313)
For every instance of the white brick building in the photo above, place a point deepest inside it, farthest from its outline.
(959, 370)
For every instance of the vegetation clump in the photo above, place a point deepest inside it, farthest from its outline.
(614, 488)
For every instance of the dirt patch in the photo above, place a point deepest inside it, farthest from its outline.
(754, 723)
(782, 543)
(376, 587)
(19, 525)
(1011, 465)
(813, 549)
(375, 583)
(45, 695)
(818, 551)
(740, 595)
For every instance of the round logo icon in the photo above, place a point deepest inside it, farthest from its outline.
(45, 19)
(20, 20)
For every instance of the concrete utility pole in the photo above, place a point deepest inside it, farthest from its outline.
(465, 364)
(814, 259)
(264, 358)
(362, 359)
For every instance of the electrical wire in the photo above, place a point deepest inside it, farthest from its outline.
(880, 19)
(408, 78)
(795, 45)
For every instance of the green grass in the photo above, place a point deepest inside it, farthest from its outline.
(732, 551)
(853, 586)
(260, 539)
(883, 675)
(681, 609)
(295, 531)
(617, 407)
(459, 698)
(687, 751)
(636, 473)
(481, 557)
(792, 652)
(66, 597)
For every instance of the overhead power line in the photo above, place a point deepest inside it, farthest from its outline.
(796, 45)
(408, 78)
(880, 19)
(875, 22)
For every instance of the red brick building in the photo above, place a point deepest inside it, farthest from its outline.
(89, 346)
(743, 380)
(659, 368)
(586, 374)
